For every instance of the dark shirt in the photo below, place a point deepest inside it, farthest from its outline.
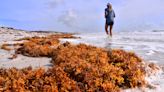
(109, 15)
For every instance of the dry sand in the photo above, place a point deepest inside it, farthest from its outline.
(7, 36)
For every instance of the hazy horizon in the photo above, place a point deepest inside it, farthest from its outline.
(81, 15)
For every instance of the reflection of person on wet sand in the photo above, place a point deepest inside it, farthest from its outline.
(109, 16)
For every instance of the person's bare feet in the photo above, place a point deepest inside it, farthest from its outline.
(110, 35)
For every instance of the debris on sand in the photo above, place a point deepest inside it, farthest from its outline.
(5, 47)
(77, 68)
(36, 47)
(41, 46)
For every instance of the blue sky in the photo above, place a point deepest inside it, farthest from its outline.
(81, 15)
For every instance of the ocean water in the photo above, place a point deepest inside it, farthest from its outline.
(149, 45)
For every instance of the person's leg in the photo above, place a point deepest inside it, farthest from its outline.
(106, 28)
(111, 27)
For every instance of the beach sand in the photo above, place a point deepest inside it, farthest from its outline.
(8, 36)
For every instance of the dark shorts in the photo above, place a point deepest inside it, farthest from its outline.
(109, 23)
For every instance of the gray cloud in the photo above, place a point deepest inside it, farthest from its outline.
(68, 18)
(54, 3)
(73, 21)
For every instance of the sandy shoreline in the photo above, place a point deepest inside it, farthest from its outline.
(7, 36)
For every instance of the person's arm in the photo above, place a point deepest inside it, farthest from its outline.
(114, 13)
(106, 13)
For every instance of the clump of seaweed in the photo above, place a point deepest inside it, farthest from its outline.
(38, 46)
(64, 35)
(53, 36)
(5, 47)
(9, 47)
(41, 46)
(96, 70)
(27, 80)
(75, 68)
(53, 80)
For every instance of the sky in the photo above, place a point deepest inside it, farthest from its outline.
(81, 15)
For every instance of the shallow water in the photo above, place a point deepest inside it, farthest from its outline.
(148, 45)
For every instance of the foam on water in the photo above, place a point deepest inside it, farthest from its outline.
(149, 45)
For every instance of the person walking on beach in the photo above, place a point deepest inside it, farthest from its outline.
(109, 16)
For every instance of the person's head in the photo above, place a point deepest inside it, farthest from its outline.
(109, 6)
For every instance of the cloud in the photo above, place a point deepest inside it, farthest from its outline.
(72, 21)
(68, 18)
(54, 3)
